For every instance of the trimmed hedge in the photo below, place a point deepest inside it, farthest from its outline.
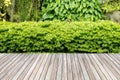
(57, 36)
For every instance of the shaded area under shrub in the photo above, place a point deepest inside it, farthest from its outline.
(57, 36)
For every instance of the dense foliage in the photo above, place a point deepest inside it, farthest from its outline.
(27, 10)
(111, 5)
(4, 4)
(57, 36)
(20, 10)
(71, 10)
(35, 10)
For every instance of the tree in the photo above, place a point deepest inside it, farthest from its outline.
(3, 9)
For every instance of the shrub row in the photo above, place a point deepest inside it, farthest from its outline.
(57, 36)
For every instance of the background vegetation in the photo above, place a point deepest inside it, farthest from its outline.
(72, 10)
(75, 10)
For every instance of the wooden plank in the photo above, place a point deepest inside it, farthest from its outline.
(74, 68)
(88, 69)
(86, 76)
(69, 68)
(32, 76)
(115, 59)
(59, 67)
(23, 74)
(111, 66)
(45, 69)
(28, 59)
(99, 67)
(16, 68)
(39, 73)
(117, 56)
(12, 64)
(32, 68)
(50, 69)
(55, 67)
(7, 61)
(92, 71)
(64, 67)
(78, 67)
(2, 56)
(95, 68)
(60, 64)
(106, 68)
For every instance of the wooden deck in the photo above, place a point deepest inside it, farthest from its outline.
(59, 66)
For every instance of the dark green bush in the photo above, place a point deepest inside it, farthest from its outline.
(57, 36)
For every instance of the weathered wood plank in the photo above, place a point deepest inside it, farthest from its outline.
(106, 67)
(2, 56)
(50, 69)
(69, 68)
(64, 67)
(111, 66)
(75, 70)
(32, 68)
(22, 68)
(33, 74)
(39, 73)
(111, 60)
(115, 59)
(45, 69)
(16, 68)
(85, 74)
(59, 66)
(100, 68)
(7, 61)
(96, 69)
(116, 55)
(79, 68)
(88, 69)
(92, 70)
(55, 67)
(7, 70)
(27, 68)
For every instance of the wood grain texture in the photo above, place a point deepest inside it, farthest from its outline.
(60, 66)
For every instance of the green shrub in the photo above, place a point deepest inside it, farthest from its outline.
(57, 36)
(75, 10)
(111, 5)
